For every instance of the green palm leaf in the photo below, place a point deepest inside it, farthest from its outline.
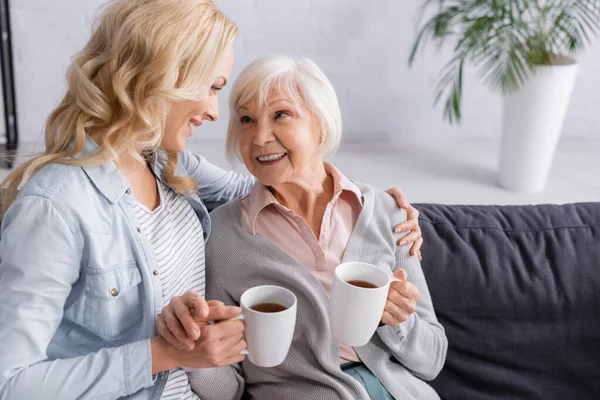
(504, 39)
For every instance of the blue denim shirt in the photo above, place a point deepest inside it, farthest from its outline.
(79, 293)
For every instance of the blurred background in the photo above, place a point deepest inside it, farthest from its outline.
(393, 135)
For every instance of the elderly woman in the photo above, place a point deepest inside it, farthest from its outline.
(303, 218)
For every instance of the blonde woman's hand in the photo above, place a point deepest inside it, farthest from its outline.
(219, 345)
(181, 321)
(410, 225)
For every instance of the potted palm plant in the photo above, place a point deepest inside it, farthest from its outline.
(525, 49)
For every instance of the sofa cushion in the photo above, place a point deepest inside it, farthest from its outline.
(517, 289)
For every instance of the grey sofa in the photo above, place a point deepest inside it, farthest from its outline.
(517, 289)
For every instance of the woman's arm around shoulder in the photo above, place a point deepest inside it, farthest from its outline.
(216, 186)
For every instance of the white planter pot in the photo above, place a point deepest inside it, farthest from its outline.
(532, 122)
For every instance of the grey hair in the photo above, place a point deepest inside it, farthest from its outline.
(300, 79)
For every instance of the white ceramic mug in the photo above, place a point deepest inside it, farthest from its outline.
(268, 334)
(356, 311)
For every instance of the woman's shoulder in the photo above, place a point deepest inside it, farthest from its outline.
(62, 186)
(226, 216)
(54, 181)
(380, 204)
(226, 235)
(46, 190)
(376, 195)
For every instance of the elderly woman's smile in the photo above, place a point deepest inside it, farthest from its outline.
(270, 159)
(279, 139)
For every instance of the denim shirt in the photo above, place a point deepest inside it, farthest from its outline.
(79, 284)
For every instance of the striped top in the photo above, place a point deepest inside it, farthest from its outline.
(176, 236)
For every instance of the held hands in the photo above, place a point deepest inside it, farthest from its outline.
(402, 300)
(191, 340)
(411, 224)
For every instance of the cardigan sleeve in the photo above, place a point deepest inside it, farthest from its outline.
(420, 342)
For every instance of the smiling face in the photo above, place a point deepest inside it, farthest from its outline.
(279, 141)
(184, 116)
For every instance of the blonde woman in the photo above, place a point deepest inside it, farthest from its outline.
(302, 219)
(110, 221)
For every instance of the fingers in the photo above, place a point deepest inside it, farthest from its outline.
(176, 323)
(412, 219)
(194, 302)
(175, 327)
(416, 239)
(412, 214)
(416, 248)
(410, 238)
(164, 331)
(219, 313)
(184, 315)
(233, 360)
(229, 329)
(226, 332)
(397, 314)
(406, 226)
(401, 274)
(214, 303)
(239, 346)
(399, 196)
(401, 302)
(414, 236)
(411, 225)
(232, 339)
(388, 319)
(400, 291)
(222, 340)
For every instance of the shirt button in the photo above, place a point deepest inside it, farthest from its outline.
(114, 292)
(204, 235)
(155, 272)
(127, 191)
(139, 230)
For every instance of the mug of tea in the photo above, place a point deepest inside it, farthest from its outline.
(269, 313)
(357, 301)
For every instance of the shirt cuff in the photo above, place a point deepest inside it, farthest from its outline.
(394, 336)
(137, 366)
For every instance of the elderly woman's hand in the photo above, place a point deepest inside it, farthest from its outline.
(411, 223)
(402, 300)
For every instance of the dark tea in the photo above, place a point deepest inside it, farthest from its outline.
(363, 284)
(268, 307)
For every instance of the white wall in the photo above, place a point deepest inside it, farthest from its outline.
(361, 45)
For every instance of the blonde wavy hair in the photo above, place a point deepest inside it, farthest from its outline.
(142, 54)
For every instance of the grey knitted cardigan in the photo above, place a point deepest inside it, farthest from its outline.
(401, 358)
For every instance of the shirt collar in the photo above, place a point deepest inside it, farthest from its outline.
(341, 183)
(260, 197)
(106, 177)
